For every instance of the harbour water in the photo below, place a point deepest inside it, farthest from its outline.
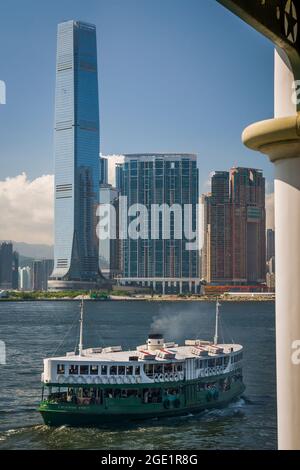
(34, 330)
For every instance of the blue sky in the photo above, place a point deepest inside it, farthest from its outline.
(174, 75)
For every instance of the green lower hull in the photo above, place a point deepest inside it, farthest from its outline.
(124, 410)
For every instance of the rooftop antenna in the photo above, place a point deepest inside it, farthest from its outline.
(80, 346)
(216, 338)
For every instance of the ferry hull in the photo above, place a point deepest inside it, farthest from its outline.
(119, 412)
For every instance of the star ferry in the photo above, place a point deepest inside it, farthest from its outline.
(95, 386)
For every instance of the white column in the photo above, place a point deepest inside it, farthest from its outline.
(180, 287)
(280, 139)
(287, 226)
(163, 287)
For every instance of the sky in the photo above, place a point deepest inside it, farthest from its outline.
(174, 75)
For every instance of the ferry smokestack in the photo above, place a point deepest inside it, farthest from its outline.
(155, 341)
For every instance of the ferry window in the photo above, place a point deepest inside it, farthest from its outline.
(94, 370)
(148, 369)
(129, 370)
(219, 361)
(73, 370)
(103, 370)
(113, 370)
(137, 370)
(108, 393)
(226, 361)
(211, 362)
(179, 367)
(84, 370)
(168, 368)
(158, 369)
(121, 370)
(60, 369)
(200, 387)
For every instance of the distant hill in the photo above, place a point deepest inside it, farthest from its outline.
(33, 251)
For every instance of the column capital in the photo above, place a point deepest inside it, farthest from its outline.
(278, 138)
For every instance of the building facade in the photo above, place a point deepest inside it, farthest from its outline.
(110, 246)
(6, 265)
(76, 158)
(160, 258)
(234, 250)
(41, 271)
(103, 168)
(25, 278)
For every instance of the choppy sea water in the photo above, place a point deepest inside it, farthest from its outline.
(34, 330)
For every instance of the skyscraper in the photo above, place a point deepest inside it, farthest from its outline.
(15, 270)
(217, 257)
(41, 270)
(103, 175)
(6, 265)
(25, 280)
(234, 228)
(247, 190)
(76, 158)
(164, 263)
(110, 248)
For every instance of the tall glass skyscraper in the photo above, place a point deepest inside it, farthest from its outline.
(76, 157)
(163, 263)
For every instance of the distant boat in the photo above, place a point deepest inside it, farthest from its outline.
(99, 385)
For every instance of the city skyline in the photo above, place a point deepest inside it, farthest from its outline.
(184, 95)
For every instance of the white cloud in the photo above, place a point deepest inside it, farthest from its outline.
(26, 209)
(270, 210)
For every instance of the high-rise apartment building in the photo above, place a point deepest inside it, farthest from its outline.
(41, 270)
(6, 265)
(15, 270)
(110, 247)
(234, 228)
(163, 262)
(248, 199)
(25, 278)
(103, 168)
(76, 158)
(9, 267)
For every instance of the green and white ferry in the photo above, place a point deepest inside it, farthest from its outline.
(100, 385)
